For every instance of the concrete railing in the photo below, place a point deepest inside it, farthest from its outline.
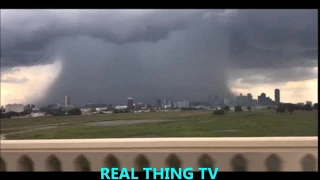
(228, 154)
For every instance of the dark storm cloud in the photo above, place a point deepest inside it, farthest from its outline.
(267, 38)
(26, 33)
(179, 54)
(14, 80)
(274, 38)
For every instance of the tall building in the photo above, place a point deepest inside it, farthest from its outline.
(158, 103)
(28, 108)
(185, 104)
(249, 99)
(242, 100)
(164, 102)
(225, 101)
(172, 104)
(14, 108)
(67, 101)
(130, 103)
(263, 100)
(277, 96)
(139, 106)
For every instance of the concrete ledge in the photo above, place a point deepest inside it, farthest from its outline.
(132, 143)
(251, 153)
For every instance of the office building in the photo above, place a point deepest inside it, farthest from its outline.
(67, 101)
(164, 102)
(172, 104)
(158, 103)
(28, 108)
(243, 100)
(130, 103)
(225, 101)
(249, 99)
(139, 106)
(263, 100)
(277, 96)
(14, 108)
(121, 107)
(185, 104)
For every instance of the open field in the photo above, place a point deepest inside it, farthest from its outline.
(178, 124)
(23, 124)
(43, 121)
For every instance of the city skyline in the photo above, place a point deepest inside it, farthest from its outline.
(147, 54)
(270, 93)
(263, 99)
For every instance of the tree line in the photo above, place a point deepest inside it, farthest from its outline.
(281, 108)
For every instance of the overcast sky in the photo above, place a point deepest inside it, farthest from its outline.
(105, 56)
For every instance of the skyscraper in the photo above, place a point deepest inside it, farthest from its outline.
(67, 100)
(277, 96)
(249, 99)
(158, 103)
(130, 103)
(164, 102)
(262, 99)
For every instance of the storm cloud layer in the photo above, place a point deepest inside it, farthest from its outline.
(108, 55)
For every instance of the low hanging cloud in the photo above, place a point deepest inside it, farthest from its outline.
(14, 80)
(179, 54)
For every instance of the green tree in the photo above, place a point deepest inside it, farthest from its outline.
(226, 108)
(24, 113)
(281, 109)
(290, 109)
(237, 109)
(11, 114)
(315, 106)
(307, 107)
(74, 111)
(219, 112)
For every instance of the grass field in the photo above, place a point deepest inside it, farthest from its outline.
(180, 124)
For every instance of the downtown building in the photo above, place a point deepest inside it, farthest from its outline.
(245, 100)
(67, 101)
(14, 108)
(277, 96)
(130, 104)
(263, 100)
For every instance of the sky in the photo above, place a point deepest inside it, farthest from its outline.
(105, 56)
